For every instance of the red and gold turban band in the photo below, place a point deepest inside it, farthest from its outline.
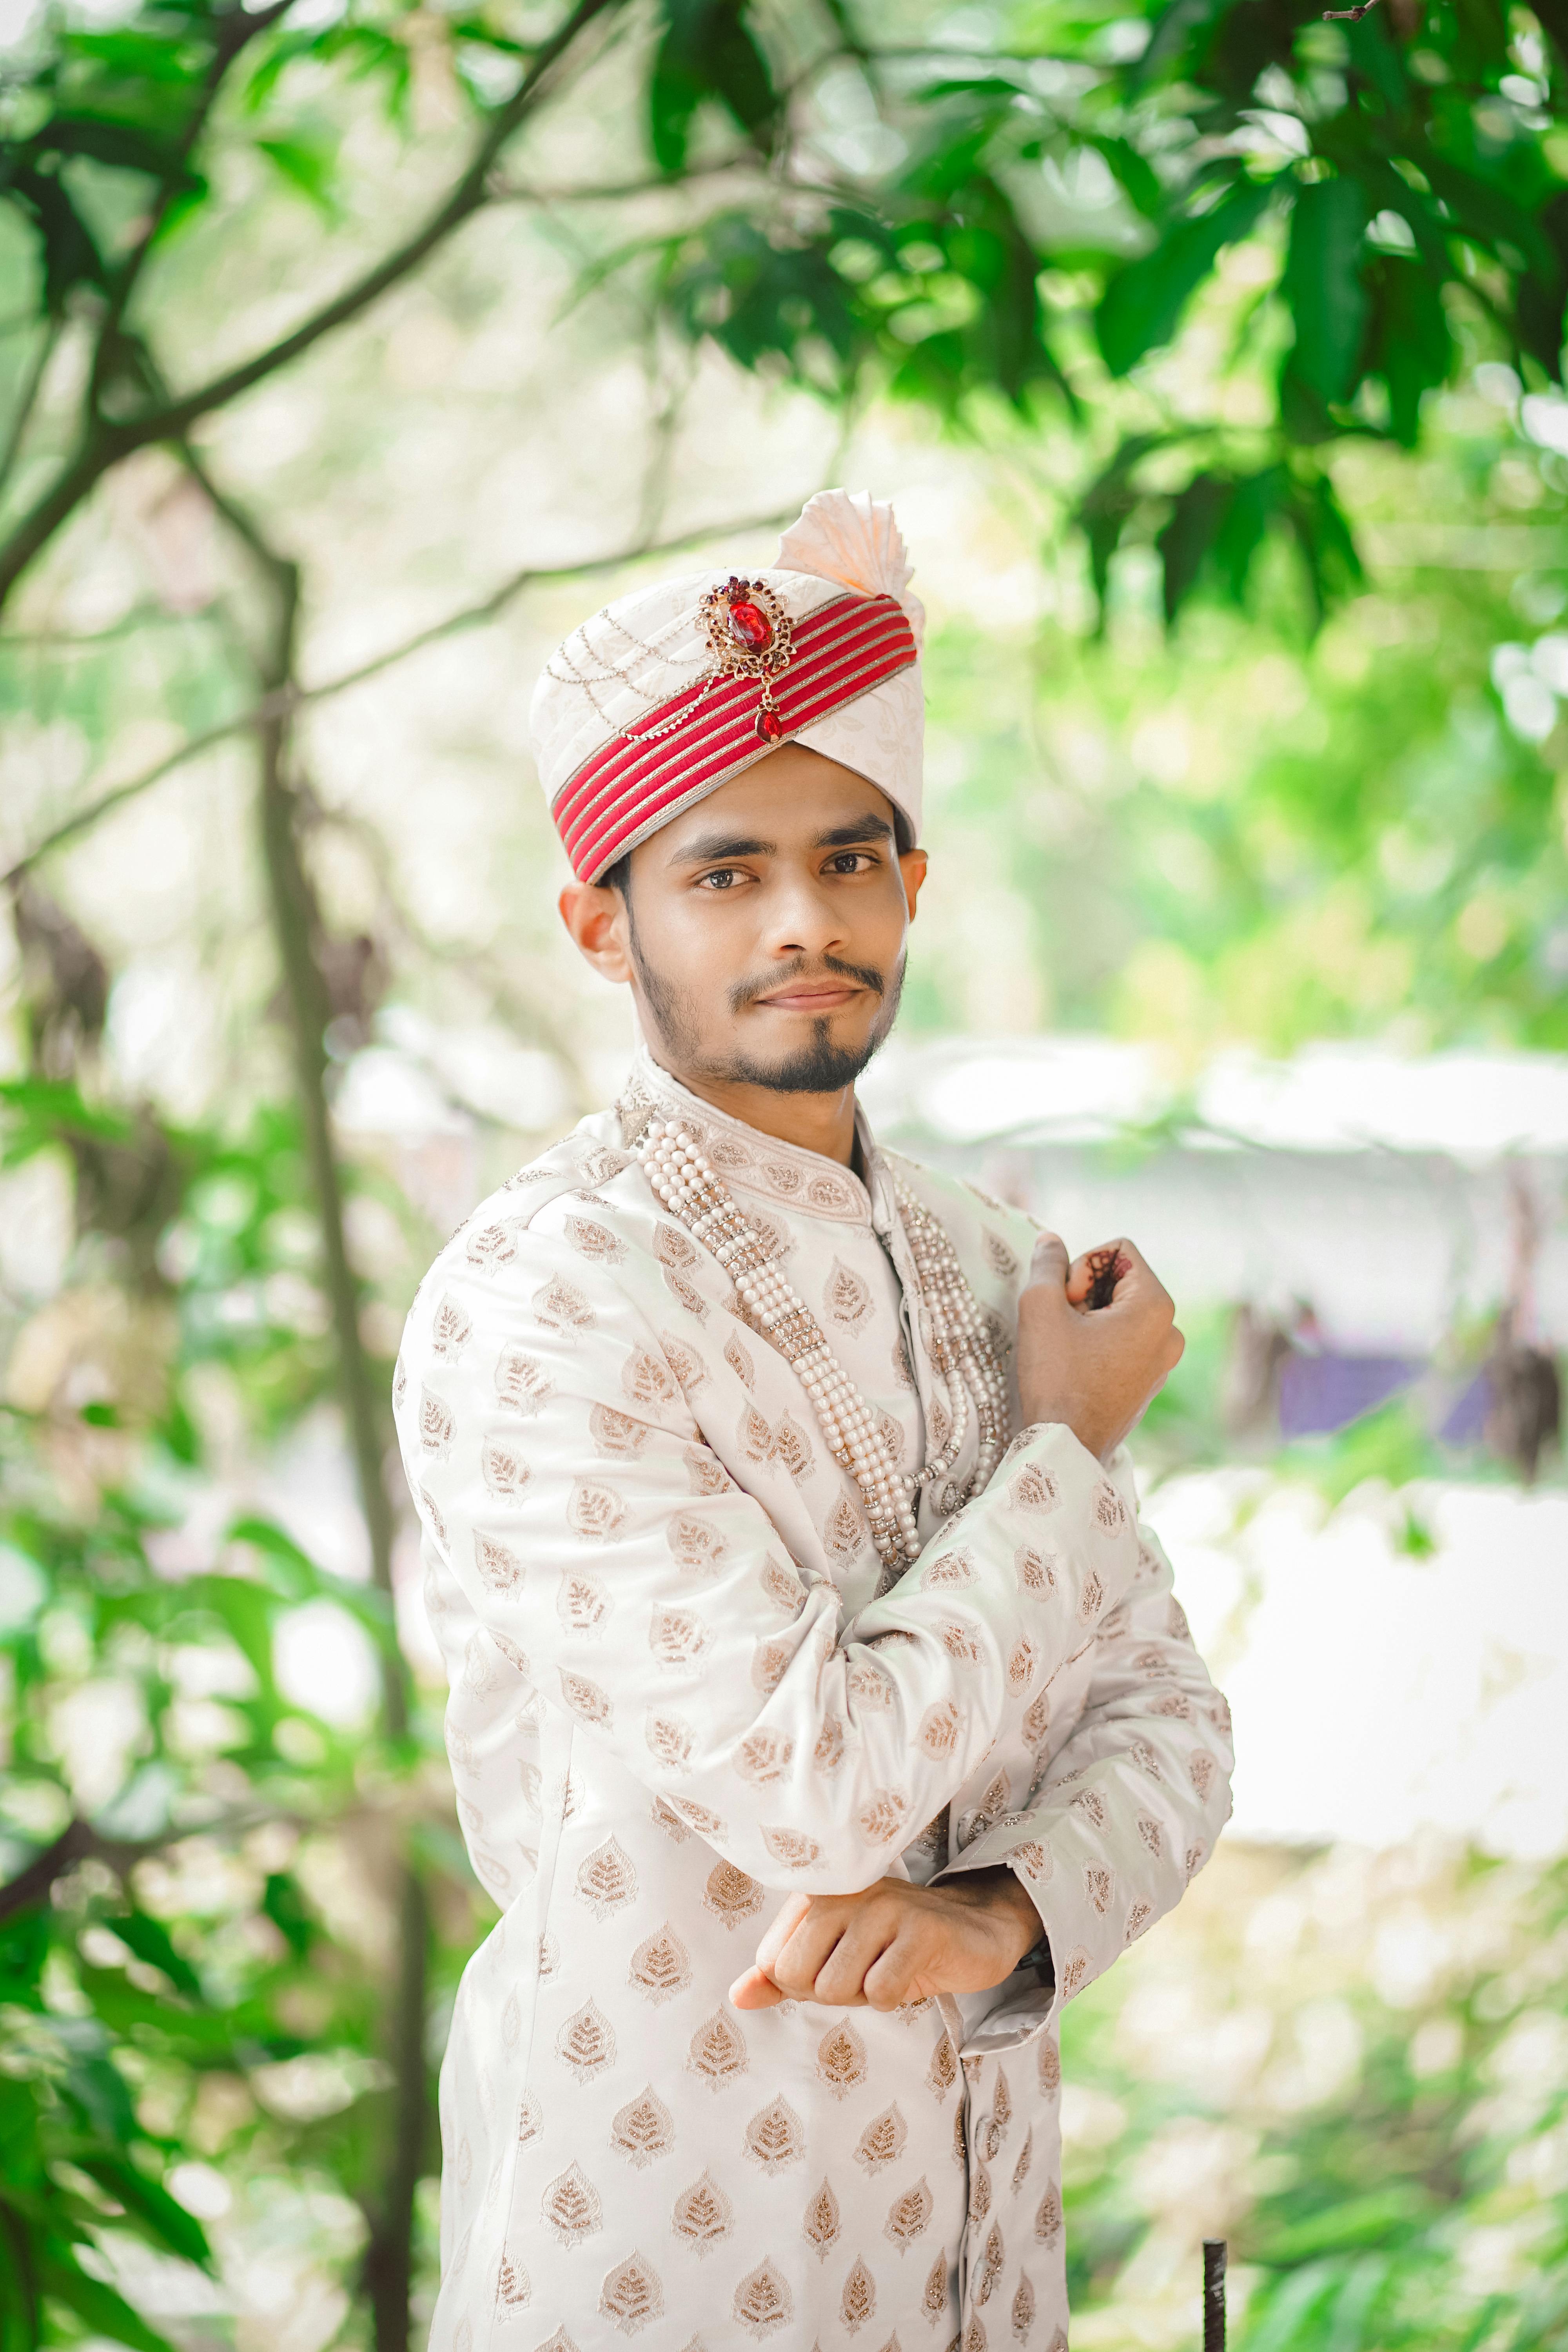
(661, 698)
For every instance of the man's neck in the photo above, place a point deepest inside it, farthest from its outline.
(823, 1123)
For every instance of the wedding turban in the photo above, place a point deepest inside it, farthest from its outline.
(664, 695)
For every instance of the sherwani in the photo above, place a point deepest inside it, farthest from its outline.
(683, 1688)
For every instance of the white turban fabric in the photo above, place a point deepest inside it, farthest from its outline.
(642, 712)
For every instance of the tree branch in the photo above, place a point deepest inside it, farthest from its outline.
(283, 700)
(80, 1842)
(234, 30)
(105, 442)
(32, 385)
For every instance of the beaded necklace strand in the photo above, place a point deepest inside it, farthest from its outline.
(960, 1345)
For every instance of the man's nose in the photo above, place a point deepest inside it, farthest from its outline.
(801, 919)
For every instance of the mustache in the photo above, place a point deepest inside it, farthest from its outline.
(747, 992)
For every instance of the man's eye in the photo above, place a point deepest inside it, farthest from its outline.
(721, 880)
(849, 861)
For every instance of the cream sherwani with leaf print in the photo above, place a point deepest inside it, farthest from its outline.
(682, 1690)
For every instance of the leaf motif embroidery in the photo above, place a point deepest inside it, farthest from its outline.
(583, 1604)
(762, 2302)
(677, 1636)
(845, 1297)
(450, 1330)
(791, 1847)
(660, 1967)
(505, 1471)
(717, 2054)
(671, 1740)
(731, 1894)
(606, 1879)
(843, 1531)
(616, 1434)
(569, 2206)
(597, 1511)
(586, 2043)
(672, 1247)
(703, 2216)
(561, 1307)
(776, 2137)
(523, 1384)
(684, 1361)
(595, 1241)
(500, 1567)
(632, 2296)
(882, 2141)
(909, 2215)
(696, 1544)
(514, 2290)
(584, 1698)
(822, 2223)
(643, 2130)
(841, 2059)
(858, 2302)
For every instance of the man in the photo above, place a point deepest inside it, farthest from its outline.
(820, 1719)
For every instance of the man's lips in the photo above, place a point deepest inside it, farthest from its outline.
(825, 996)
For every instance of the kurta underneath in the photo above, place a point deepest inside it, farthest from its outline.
(679, 1697)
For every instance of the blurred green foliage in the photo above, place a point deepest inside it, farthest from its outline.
(1356, 2060)
(195, 1965)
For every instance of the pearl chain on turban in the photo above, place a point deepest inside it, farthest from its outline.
(658, 700)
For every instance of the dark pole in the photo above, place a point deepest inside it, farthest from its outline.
(1214, 2294)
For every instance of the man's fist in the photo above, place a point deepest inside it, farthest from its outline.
(893, 1943)
(1094, 1369)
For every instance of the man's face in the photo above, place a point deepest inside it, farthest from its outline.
(764, 936)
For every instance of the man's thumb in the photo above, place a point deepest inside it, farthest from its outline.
(1049, 1261)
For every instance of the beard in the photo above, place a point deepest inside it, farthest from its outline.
(820, 1067)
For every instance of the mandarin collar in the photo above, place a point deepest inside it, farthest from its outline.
(784, 1173)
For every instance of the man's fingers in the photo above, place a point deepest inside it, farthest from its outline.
(1048, 1262)
(840, 1981)
(755, 1991)
(780, 1929)
(803, 1955)
(886, 1980)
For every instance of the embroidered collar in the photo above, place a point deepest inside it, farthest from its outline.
(753, 1163)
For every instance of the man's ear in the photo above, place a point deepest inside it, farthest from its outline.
(597, 919)
(912, 866)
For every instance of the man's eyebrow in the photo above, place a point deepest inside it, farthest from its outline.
(709, 845)
(869, 827)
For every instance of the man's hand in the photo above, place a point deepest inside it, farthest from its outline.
(1096, 1369)
(893, 1943)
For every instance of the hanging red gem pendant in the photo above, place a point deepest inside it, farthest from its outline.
(770, 722)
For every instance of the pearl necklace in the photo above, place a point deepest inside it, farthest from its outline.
(960, 1345)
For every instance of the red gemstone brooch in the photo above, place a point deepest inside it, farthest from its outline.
(750, 635)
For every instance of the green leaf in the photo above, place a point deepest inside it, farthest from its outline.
(1187, 540)
(1142, 306)
(308, 168)
(1137, 178)
(284, 1906)
(1108, 506)
(149, 1939)
(1323, 285)
(148, 2203)
(707, 51)
(1411, 345)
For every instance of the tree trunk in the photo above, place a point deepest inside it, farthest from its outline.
(388, 2262)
